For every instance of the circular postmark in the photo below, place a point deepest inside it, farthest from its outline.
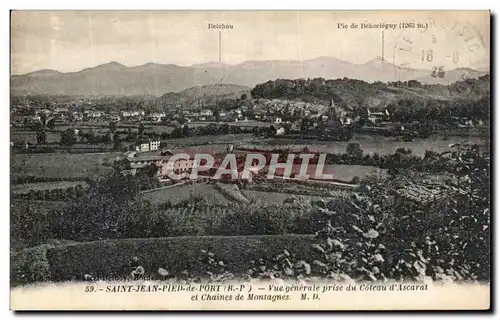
(447, 50)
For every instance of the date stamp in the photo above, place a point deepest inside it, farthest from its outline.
(445, 45)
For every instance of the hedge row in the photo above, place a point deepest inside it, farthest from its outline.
(59, 194)
(34, 179)
(115, 258)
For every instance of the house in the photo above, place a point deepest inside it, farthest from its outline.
(280, 131)
(77, 116)
(346, 120)
(377, 115)
(126, 114)
(61, 110)
(147, 145)
(278, 120)
(95, 114)
(157, 116)
(206, 113)
(132, 161)
(114, 118)
(344, 115)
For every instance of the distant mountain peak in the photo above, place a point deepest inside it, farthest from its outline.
(210, 64)
(112, 64)
(149, 65)
(378, 62)
(326, 58)
(44, 72)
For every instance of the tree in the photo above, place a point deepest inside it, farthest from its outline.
(176, 133)
(141, 129)
(185, 130)
(217, 114)
(68, 137)
(403, 150)
(286, 113)
(43, 119)
(41, 137)
(51, 124)
(117, 143)
(304, 124)
(354, 150)
(112, 127)
(391, 109)
(355, 180)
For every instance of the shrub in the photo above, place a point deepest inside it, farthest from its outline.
(258, 218)
(29, 265)
(176, 255)
(30, 224)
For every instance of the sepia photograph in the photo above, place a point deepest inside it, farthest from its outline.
(250, 160)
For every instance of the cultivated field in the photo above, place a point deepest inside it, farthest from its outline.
(185, 192)
(223, 193)
(61, 165)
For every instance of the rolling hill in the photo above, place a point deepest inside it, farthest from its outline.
(349, 92)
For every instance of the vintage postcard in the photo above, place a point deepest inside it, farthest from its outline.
(250, 160)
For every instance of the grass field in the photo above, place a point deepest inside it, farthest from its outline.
(61, 165)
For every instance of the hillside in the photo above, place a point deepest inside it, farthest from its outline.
(207, 95)
(348, 92)
(156, 79)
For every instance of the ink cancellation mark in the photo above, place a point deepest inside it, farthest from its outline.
(443, 46)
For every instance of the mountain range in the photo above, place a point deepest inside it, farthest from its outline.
(115, 79)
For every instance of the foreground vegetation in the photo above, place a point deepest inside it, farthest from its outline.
(373, 235)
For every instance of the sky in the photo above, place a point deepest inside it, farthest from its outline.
(69, 41)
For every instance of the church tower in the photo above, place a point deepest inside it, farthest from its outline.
(332, 110)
